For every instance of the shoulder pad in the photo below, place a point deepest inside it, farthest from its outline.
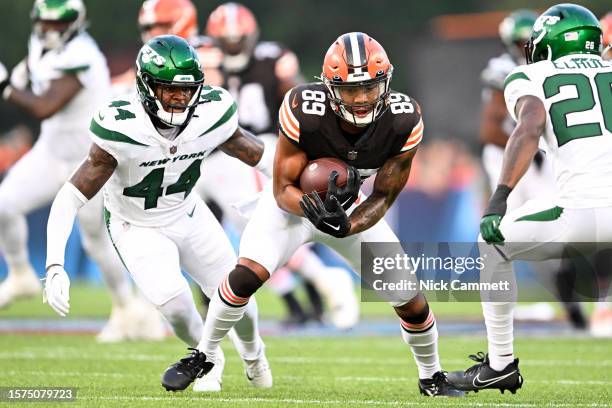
(496, 71)
(407, 120)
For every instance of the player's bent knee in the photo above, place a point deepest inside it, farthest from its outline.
(416, 310)
(239, 286)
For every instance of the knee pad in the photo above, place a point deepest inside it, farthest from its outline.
(243, 281)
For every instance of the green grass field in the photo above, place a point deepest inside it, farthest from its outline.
(342, 371)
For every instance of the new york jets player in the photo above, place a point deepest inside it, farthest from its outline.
(68, 77)
(147, 150)
(565, 95)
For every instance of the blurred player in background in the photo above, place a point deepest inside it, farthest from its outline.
(565, 78)
(606, 27)
(68, 77)
(147, 153)
(258, 74)
(539, 181)
(172, 17)
(353, 116)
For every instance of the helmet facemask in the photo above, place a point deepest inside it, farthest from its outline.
(170, 112)
(63, 21)
(359, 103)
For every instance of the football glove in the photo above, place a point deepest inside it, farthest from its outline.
(347, 194)
(57, 288)
(489, 229)
(332, 221)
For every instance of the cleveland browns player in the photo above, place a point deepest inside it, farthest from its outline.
(351, 115)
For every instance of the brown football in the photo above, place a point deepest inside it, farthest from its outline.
(315, 176)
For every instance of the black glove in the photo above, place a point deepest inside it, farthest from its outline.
(332, 221)
(346, 195)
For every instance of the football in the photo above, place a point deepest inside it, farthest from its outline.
(315, 176)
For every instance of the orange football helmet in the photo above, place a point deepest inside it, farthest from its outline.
(234, 29)
(176, 17)
(357, 73)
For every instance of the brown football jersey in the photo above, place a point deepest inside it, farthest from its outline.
(307, 120)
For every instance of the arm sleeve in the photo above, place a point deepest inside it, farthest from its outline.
(266, 163)
(61, 218)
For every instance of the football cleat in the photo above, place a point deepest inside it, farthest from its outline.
(211, 382)
(481, 376)
(179, 375)
(438, 386)
(258, 372)
(20, 283)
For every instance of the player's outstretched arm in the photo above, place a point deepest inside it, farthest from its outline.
(289, 162)
(87, 180)
(249, 149)
(389, 182)
(60, 92)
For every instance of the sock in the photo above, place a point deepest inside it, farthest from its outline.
(224, 311)
(498, 318)
(245, 334)
(183, 316)
(13, 242)
(423, 341)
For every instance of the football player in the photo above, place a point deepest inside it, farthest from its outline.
(258, 75)
(68, 77)
(147, 151)
(562, 95)
(539, 181)
(172, 17)
(354, 116)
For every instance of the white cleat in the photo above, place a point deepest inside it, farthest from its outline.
(539, 312)
(339, 291)
(211, 382)
(21, 283)
(258, 372)
(138, 320)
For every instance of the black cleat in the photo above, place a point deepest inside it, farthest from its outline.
(481, 376)
(438, 386)
(179, 375)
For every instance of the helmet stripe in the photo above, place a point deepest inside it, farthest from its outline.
(231, 19)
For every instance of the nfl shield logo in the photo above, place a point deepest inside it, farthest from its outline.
(173, 149)
(352, 155)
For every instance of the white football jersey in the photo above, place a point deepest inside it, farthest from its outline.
(576, 92)
(493, 77)
(154, 177)
(65, 133)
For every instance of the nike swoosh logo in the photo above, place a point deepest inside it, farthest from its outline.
(481, 384)
(100, 116)
(294, 102)
(346, 201)
(191, 213)
(334, 227)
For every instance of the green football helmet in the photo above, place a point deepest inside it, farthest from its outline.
(562, 30)
(71, 12)
(515, 31)
(164, 63)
